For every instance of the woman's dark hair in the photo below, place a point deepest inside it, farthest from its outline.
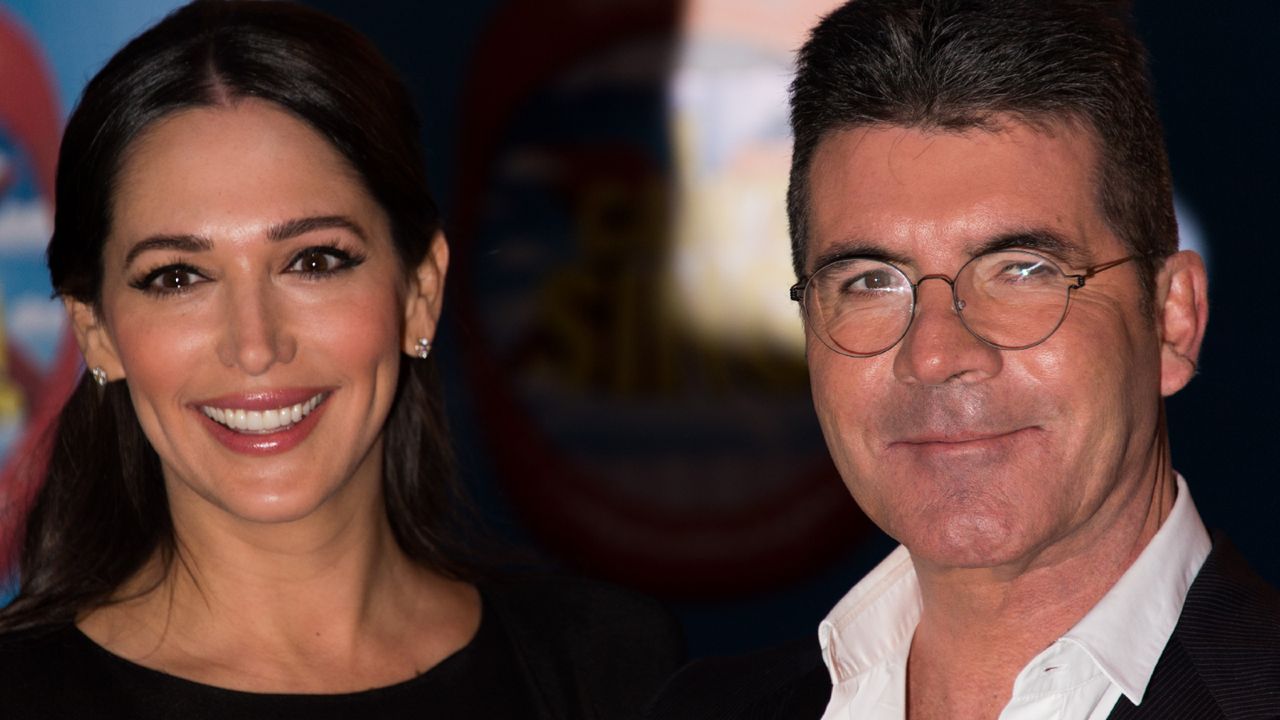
(955, 64)
(103, 512)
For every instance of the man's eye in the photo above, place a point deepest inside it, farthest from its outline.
(871, 281)
(322, 261)
(1026, 272)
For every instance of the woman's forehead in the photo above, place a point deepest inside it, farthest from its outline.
(227, 171)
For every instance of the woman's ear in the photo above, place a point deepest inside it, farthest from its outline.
(426, 295)
(95, 342)
(1182, 310)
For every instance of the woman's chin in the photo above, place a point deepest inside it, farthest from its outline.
(255, 500)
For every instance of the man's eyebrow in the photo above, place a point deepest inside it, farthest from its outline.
(182, 243)
(1040, 240)
(855, 248)
(302, 226)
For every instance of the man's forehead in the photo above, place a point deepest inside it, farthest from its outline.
(912, 191)
(993, 126)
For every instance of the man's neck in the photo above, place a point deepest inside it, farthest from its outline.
(980, 626)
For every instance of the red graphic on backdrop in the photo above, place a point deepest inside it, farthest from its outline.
(29, 115)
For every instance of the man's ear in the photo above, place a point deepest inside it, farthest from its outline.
(1182, 309)
(426, 294)
(96, 345)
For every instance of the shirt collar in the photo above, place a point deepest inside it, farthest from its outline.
(1124, 633)
(874, 622)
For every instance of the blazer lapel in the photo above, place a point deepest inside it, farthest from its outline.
(1223, 660)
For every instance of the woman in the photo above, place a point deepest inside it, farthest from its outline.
(246, 512)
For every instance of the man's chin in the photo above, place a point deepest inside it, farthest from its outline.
(966, 542)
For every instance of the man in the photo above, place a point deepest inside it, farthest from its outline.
(995, 306)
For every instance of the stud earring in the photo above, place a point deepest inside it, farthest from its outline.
(99, 376)
(423, 348)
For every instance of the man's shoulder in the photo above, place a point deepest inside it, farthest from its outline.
(1228, 591)
(1230, 611)
(1230, 631)
(787, 681)
(1223, 659)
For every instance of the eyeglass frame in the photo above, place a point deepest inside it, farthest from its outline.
(798, 290)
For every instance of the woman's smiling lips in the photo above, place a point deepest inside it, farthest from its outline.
(264, 422)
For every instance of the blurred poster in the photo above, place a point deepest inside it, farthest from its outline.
(732, 143)
(623, 265)
(31, 324)
(46, 54)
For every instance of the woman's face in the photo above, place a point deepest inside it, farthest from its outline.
(255, 303)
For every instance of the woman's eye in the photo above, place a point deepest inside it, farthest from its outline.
(321, 261)
(169, 280)
(175, 280)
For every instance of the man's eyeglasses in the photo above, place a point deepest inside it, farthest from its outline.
(1009, 299)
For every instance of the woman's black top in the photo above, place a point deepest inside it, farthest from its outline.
(545, 649)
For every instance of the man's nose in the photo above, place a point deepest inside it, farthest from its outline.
(938, 348)
(257, 333)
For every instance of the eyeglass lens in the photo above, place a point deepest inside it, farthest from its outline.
(1010, 299)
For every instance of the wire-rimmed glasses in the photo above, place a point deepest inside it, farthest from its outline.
(1008, 299)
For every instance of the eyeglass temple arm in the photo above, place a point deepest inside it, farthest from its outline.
(1094, 270)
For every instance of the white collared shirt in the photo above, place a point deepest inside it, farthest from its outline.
(1111, 652)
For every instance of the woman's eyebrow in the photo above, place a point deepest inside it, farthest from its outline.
(183, 243)
(302, 226)
(279, 231)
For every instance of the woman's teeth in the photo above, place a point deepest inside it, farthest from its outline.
(262, 421)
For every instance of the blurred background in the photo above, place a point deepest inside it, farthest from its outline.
(624, 371)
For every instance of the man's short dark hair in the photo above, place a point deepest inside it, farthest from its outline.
(953, 65)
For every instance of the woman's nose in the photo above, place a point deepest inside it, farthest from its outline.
(257, 333)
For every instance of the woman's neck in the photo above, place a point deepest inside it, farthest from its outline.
(323, 604)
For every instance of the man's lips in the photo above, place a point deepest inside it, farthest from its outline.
(960, 439)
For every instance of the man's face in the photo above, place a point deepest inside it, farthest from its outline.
(969, 455)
